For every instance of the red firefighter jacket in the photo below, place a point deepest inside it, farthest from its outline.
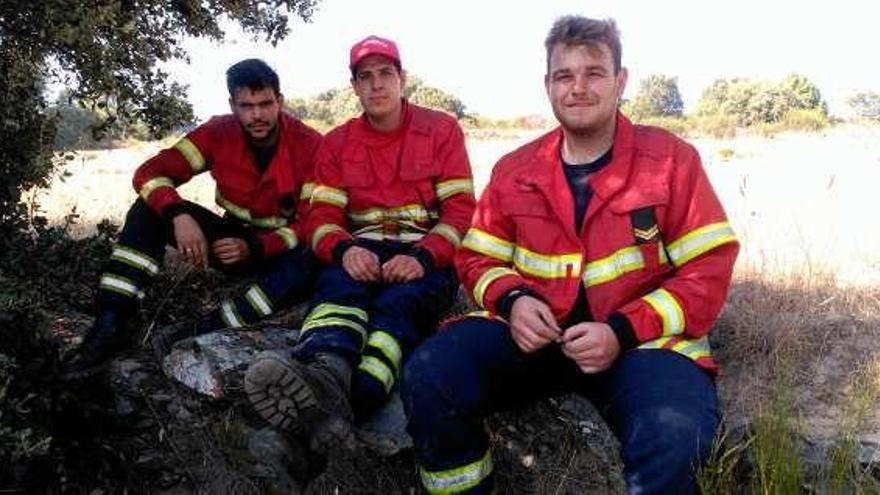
(655, 247)
(413, 184)
(272, 201)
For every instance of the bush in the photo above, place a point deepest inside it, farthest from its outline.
(676, 125)
(865, 104)
(717, 126)
(805, 120)
(658, 96)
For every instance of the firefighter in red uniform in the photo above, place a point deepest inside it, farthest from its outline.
(262, 161)
(393, 197)
(601, 257)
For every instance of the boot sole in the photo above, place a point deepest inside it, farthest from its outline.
(275, 387)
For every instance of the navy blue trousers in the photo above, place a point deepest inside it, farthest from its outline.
(374, 326)
(661, 406)
(278, 281)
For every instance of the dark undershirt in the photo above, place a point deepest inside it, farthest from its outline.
(263, 155)
(578, 177)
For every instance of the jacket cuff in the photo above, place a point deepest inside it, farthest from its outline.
(424, 257)
(622, 328)
(505, 302)
(174, 209)
(340, 248)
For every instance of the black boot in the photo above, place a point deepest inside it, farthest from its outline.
(163, 339)
(308, 398)
(106, 337)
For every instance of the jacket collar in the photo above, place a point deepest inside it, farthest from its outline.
(546, 175)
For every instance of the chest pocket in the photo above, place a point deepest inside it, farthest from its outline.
(419, 167)
(530, 213)
(355, 164)
(639, 211)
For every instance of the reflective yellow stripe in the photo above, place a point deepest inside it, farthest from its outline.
(330, 195)
(403, 237)
(488, 244)
(305, 192)
(335, 322)
(448, 232)
(259, 300)
(670, 311)
(134, 258)
(324, 309)
(691, 348)
(487, 278)
(379, 370)
(289, 237)
(612, 266)
(388, 346)
(547, 266)
(244, 214)
(323, 230)
(449, 188)
(192, 154)
(120, 285)
(153, 184)
(699, 241)
(229, 315)
(458, 479)
(411, 212)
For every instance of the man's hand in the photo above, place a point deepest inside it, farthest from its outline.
(532, 324)
(402, 268)
(230, 250)
(190, 240)
(592, 345)
(362, 264)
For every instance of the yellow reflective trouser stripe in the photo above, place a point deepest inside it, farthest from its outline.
(693, 349)
(448, 232)
(375, 367)
(411, 212)
(325, 309)
(458, 479)
(330, 195)
(546, 266)
(700, 241)
(488, 244)
(305, 192)
(665, 305)
(229, 315)
(135, 258)
(449, 188)
(258, 300)
(323, 230)
(289, 237)
(613, 266)
(335, 322)
(244, 214)
(120, 285)
(153, 184)
(486, 279)
(192, 154)
(388, 346)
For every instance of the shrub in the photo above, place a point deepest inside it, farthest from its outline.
(717, 126)
(675, 125)
(658, 96)
(804, 120)
(865, 104)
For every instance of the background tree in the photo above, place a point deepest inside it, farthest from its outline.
(658, 96)
(865, 104)
(106, 53)
(758, 102)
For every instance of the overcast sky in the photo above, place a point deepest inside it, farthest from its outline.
(490, 52)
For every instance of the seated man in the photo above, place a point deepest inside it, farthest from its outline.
(394, 195)
(262, 161)
(602, 258)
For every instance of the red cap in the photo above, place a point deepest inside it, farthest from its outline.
(373, 45)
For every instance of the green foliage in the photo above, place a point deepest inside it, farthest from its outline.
(658, 96)
(865, 104)
(755, 102)
(335, 106)
(719, 475)
(776, 448)
(107, 55)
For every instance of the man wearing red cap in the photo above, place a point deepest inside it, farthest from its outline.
(393, 197)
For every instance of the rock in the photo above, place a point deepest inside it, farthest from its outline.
(214, 363)
(385, 433)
